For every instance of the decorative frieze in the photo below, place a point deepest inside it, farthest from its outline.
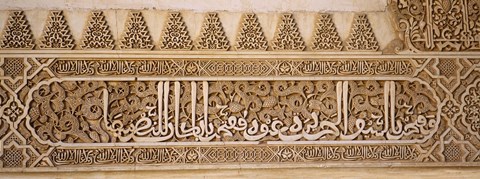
(97, 34)
(150, 111)
(272, 99)
(235, 67)
(56, 34)
(94, 103)
(287, 36)
(136, 35)
(230, 154)
(17, 33)
(212, 36)
(471, 102)
(325, 36)
(250, 35)
(175, 35)
(362, 37)
(439, 25)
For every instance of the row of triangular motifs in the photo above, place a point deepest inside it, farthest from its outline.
(97, 35)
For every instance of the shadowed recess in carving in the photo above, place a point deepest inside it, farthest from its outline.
(237, 67)
(341, 103)
(439, 25)
(183, 111)
(243, 154)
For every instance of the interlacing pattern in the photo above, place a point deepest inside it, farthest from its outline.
(17, 33)
(277, 100)
(251, 35)
(212, 36)
(97, 112)
(439, 25)
(97, 34)
(136, 36)
(56, 34)
(175, 35)
(325, 36)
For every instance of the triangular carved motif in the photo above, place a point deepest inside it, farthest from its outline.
(97, 35)
(136, 35)
(326, 36)
(17, 33)
(56, 34)
(362, 37)
(251, 36)
(212, 36)
(287, 36)
(175, 35)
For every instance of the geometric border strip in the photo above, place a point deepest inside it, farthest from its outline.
(452, 77)
(235, 67)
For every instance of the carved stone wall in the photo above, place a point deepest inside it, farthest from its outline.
(166, 89)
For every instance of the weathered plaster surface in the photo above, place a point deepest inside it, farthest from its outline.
(231, 22)
(297, 173)
(203, 5)
(397, 88)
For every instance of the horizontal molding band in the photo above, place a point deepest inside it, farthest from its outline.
(226, 54)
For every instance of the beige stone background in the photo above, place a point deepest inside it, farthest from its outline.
(193, 12)
(156, 20)
(203, 5)
(155, 13)
(297, 173)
